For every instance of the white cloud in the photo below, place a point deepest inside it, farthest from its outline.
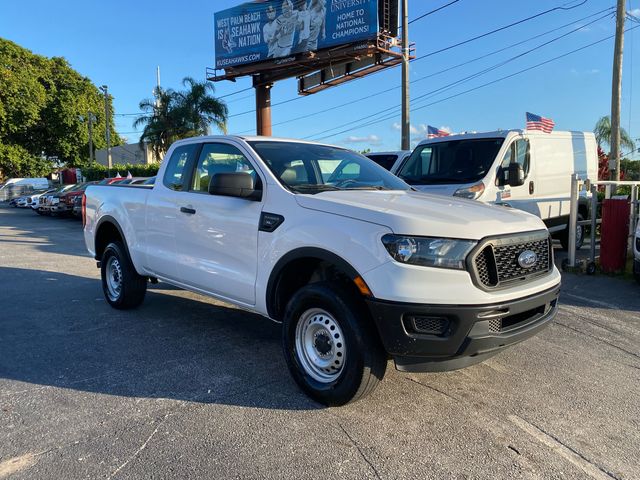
(369, 139)
(419, 132)
(635, 12)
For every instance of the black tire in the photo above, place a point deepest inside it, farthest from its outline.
(564, 236)
(131, 286)
(364, 361)
(592, 268)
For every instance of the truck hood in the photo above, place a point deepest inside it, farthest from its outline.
(415, 213)
(440, 189)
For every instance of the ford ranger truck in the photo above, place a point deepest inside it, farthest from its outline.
(354, 264)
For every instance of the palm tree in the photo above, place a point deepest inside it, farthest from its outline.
(160, 121)
(200, 109)
(603, 134)
(175, 115)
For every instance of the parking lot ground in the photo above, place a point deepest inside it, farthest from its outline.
(188, 387)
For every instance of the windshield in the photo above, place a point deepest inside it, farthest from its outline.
(455, 161)
(310, 168)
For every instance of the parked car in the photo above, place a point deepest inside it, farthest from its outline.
(131, 181)
(34, 200)
(67, 198)
(109, 181)
(636, 254)
(77, 206)
(389, 160)
(353, 263)
(527, 170)
(50, 203)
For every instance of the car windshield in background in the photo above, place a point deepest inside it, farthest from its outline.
(455, 161)
(309, 168)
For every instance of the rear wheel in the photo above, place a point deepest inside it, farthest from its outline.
(331, 348)
(123, 287)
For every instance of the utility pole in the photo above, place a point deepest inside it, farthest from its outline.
(91, 118)
(108, 130)
(616, 93)
(406, 120)
(157, 92)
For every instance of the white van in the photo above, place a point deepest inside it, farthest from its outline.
(17, 187)
(528, 170)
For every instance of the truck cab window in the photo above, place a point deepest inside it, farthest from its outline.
(174, 174)
(219, 158)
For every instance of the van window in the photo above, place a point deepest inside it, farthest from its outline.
(518, 152)
(219, 158)
(451, 162)
(174, 174)
(385, 161)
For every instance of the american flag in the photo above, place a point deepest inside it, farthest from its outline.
(536, 122)
(433, 132)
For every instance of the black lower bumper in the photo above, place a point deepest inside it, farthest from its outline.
(433, 338)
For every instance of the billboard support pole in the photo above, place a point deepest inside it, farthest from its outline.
(263, 107)
(406, 121)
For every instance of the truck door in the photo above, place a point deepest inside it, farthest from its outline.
(521, 197)
(162, 210)
(217, 236)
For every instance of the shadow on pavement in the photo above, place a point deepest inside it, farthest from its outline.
(171, 347)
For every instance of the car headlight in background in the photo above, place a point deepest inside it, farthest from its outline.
(429, 252)
(473, 192)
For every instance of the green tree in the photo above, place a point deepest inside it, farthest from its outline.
(174, 115)
(41, 102)
(603, 134)
(199, 108)
(160, 121)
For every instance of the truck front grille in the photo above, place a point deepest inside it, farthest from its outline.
(495, 262)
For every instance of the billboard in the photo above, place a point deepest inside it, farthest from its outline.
(271, 29)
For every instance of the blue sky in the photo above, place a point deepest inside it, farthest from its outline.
(120, 44)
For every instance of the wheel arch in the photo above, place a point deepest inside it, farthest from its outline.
(298, 268)
(107, 230)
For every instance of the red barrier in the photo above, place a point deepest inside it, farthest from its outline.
(615, 232)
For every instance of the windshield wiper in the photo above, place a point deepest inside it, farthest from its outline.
(311, 188)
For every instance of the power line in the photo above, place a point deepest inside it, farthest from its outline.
(477, 37)
(474, 88)
(302, 117)
(433, 11)
(469, 77)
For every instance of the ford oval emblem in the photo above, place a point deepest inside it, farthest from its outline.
(527, 259)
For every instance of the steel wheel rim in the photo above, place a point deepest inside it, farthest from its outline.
(320, 345)
(113, 277)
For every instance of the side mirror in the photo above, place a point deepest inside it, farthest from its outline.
(515, 175)
(235, 184)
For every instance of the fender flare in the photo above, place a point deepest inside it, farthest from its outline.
(303, 252)
(109, 219)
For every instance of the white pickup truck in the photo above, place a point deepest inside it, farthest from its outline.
(356, 265)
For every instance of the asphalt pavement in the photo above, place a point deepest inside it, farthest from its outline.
(189, 387)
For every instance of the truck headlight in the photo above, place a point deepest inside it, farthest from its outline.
(429, 252)
(473, 192)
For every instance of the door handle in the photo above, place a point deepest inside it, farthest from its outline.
(531, 187)
(190, 211)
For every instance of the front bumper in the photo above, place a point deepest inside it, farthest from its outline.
(434, 338)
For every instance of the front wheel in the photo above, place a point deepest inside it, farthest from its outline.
(330, 345)
(123, 287)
